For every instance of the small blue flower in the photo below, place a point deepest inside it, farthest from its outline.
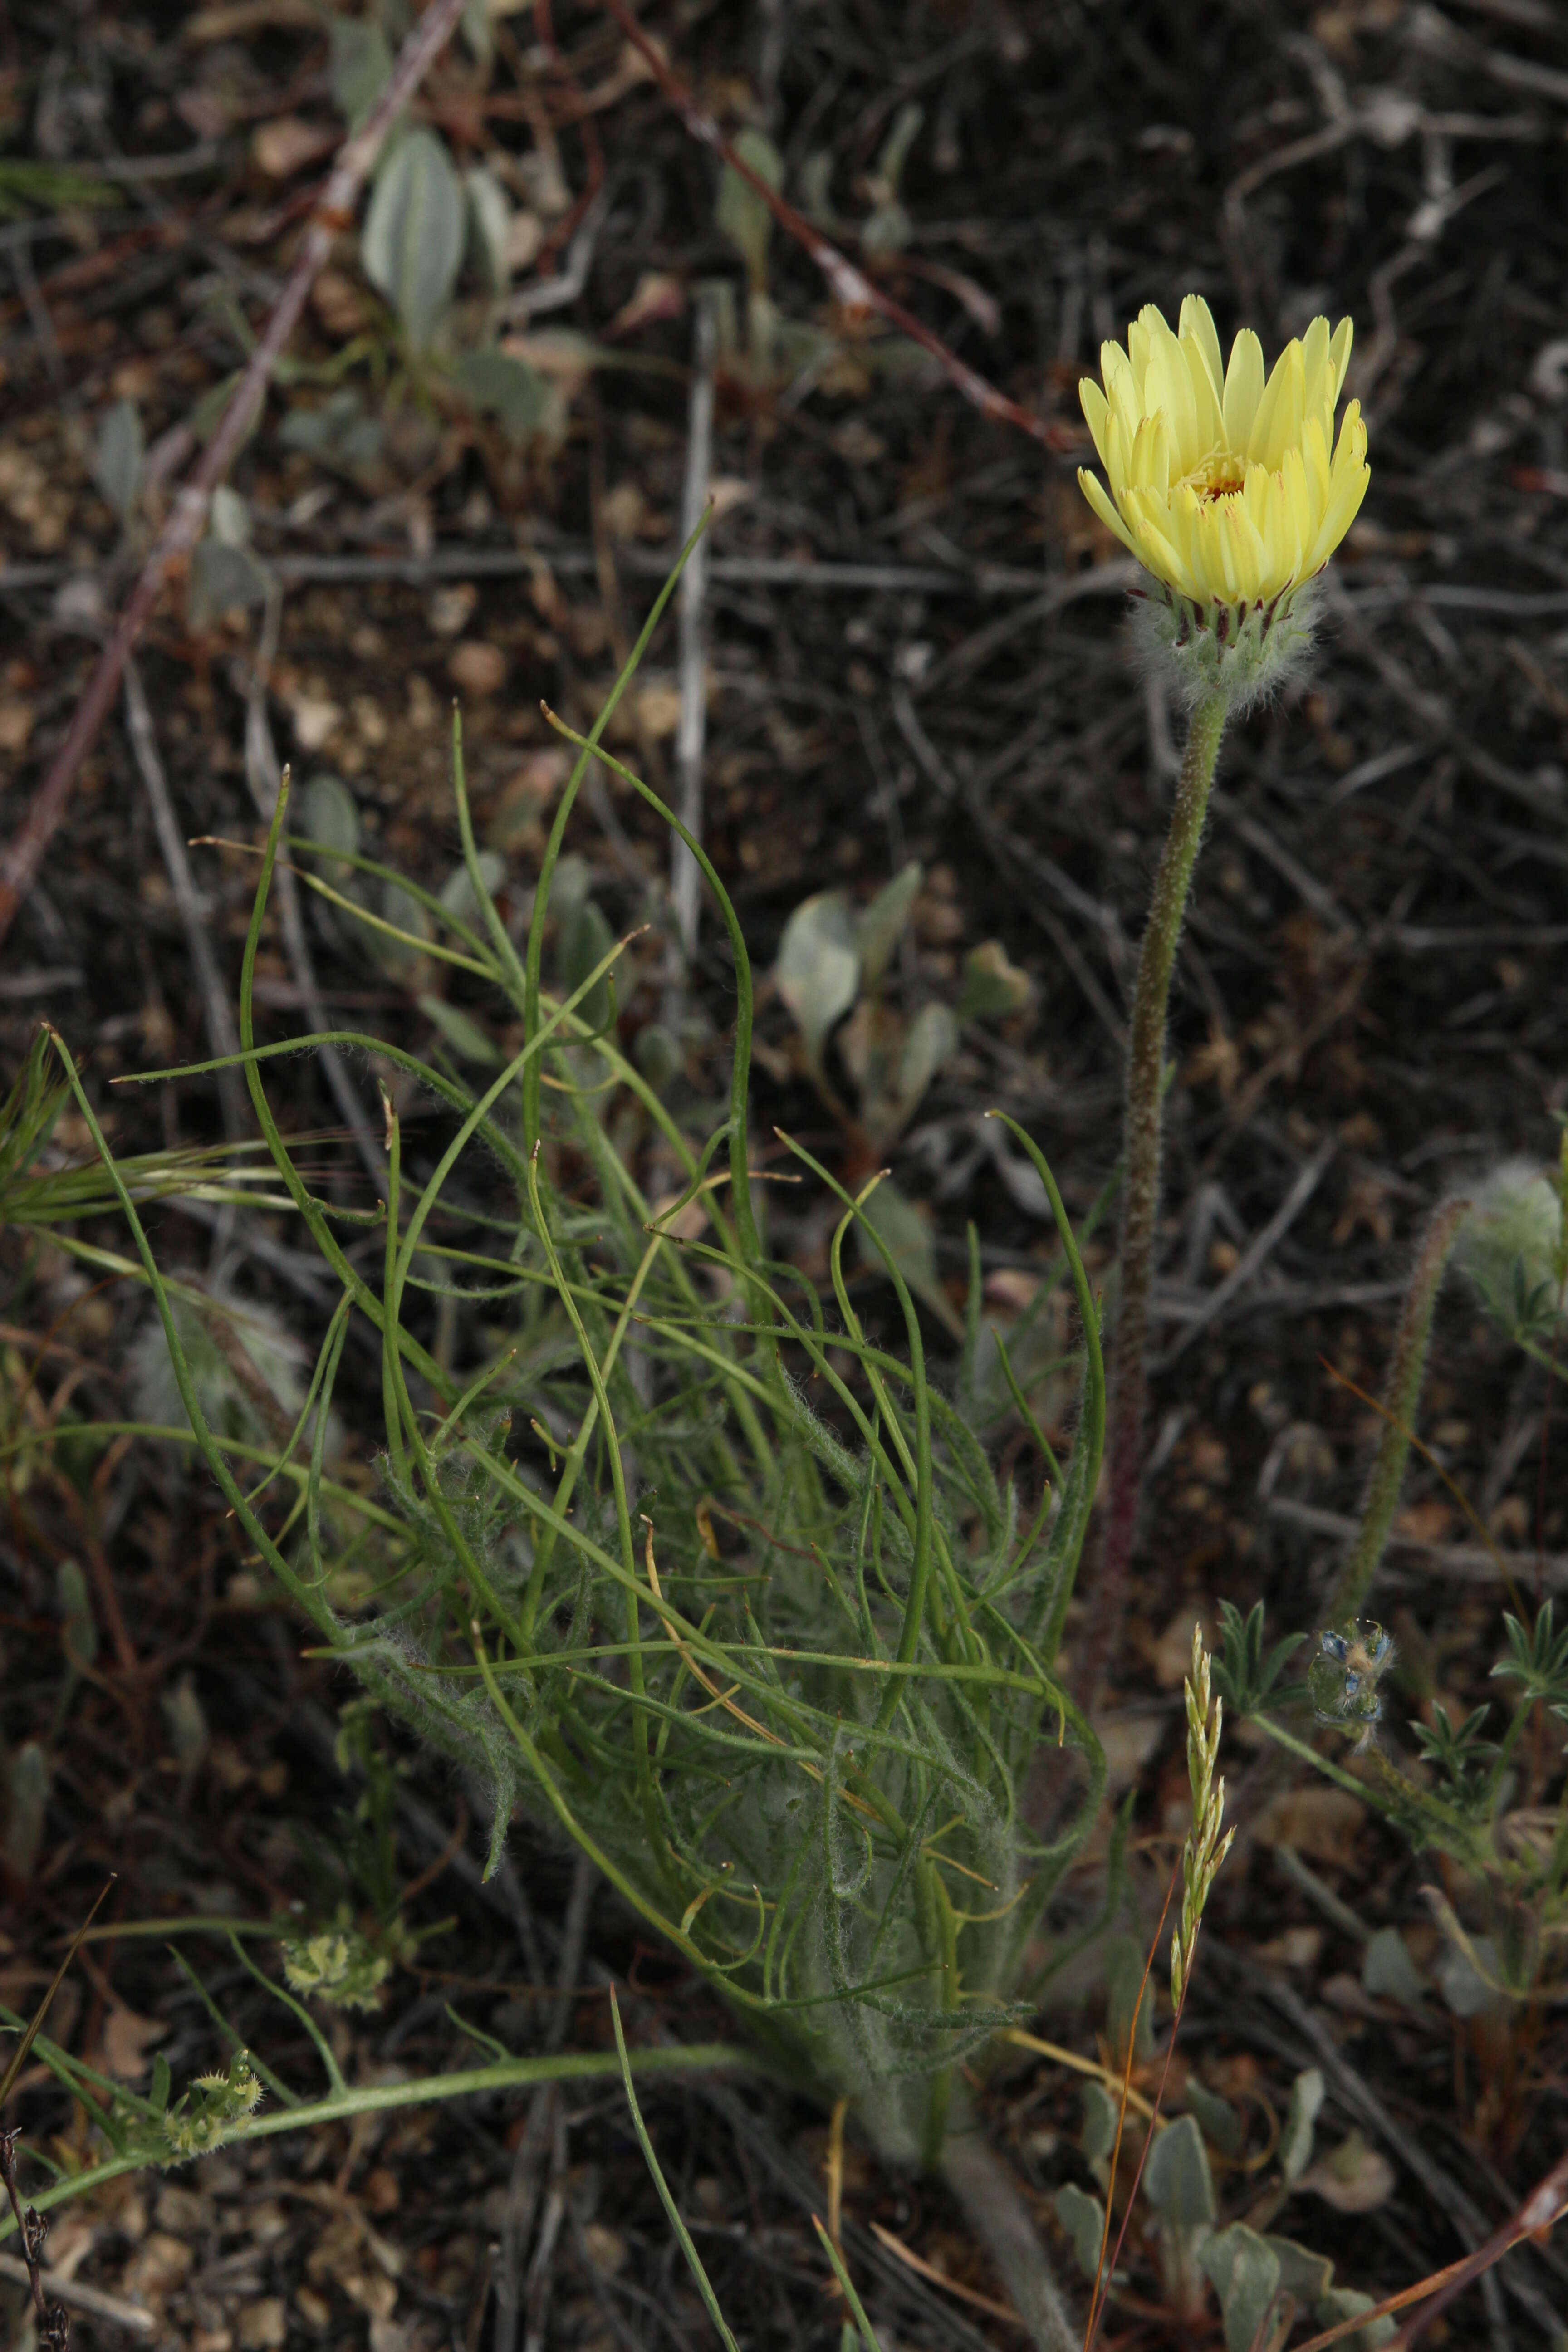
(1343, 1678)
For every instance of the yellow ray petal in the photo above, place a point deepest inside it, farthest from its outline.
(1149, 465)
(1315, 451)
(1089, 485)
(1197, 328)
(1340, 354)
(1297, 505)
(1138, 338)
(1278, 541)
(1350, 477)
(1164, 560)
(1154, 517)
(1168, 386)
(1243, 389)
(1148, 326)
(1097, 413)
(1211, 556)
(1278, 423)
(1315, 368)
(1245, 549)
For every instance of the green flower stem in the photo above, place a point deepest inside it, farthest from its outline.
(381, 2098)
(1400, 1799)
(1140, 1188)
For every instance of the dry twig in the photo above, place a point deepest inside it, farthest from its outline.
(188, 512)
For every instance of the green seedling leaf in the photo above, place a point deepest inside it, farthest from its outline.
(361, 63)
(895, 155)
(1176, 2177)
(993, 987)
(1216, 2118)
(1245, 2269)
(407, 914)
(741, 214)
(1244, 1673)
(490, 225)
(1388, 1972)
(1099, 2120)
(1461, 1755)
(118, 458)
(412, 242)
(1537, 1660)
(1462, 1983)
(586, 939)
(514, 393)
(1342, 2302)
(1083, 2218)
(223, 579)
(79, 1625)
(818, 968)
(1354, 2178)
(461, 1031)
(329, 815)
(1300, 2116)
(457, 893)
(930, 1040)
(477, 29)
(26, 1800)
(889, 228)
(228, 518)
(1303, 2273)
(905, 1230)
(888, 231)
(658, 1056)
(881, 924)
(339, 434)
(185, 1722)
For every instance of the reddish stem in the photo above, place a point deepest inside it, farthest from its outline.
(852, 289)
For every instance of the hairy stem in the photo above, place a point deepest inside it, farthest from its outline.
(1141, 1187)
(995, 2210)
(1401, 1396)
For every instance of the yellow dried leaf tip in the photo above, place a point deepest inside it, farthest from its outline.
(1229, 487)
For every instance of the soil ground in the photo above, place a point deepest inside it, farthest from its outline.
(917, 649)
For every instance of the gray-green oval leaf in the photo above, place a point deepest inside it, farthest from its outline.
(117, 459)
(818, 968)
(412, 242)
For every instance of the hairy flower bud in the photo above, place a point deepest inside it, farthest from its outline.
(1512, 1247)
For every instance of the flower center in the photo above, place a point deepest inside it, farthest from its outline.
(1221, 475)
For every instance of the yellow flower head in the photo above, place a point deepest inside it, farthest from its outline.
(1228, 488)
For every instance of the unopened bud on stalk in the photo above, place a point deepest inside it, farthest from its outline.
(1514, 1245)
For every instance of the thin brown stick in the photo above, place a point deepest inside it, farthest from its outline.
(1540, 2212)
(852, 289)
(918, 2263)
(188, 512)
(1100, 2293)
(216, 1012)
